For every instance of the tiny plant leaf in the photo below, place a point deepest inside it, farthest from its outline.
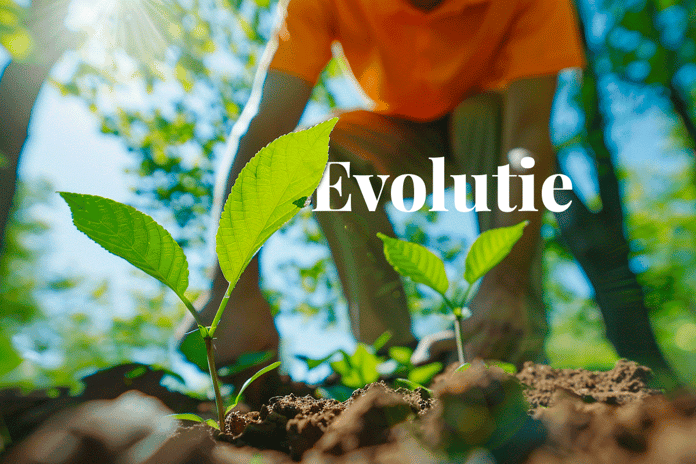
(416, 262)
(212, 423)
(134, 236)
(489, 249)
(505, 366)
(381, 341)
(249, 381)
(424, 374)
(269, 191)
(193, 348)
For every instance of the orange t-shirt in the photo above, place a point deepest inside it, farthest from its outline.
(420, 65)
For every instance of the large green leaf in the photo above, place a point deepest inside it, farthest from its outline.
(269, 191)
(416, 262)
(131, 235)
(490, 248)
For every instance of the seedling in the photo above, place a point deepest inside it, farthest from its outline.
(422, 266)
(365, 366)
(269, 191)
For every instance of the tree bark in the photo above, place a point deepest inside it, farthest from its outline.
(19, 87)
(598, 242)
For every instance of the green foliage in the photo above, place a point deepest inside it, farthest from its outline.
(365, 366)
(489, 249)
(418, 374)
(270, 190)
(13, 35)
(136, 237)
(416, 262)
(190, 83)
(419, 264)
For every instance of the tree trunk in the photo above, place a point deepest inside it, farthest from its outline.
(598, 242)
(20, 85)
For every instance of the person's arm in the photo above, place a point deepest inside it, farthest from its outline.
(283, 98)
(498, 310)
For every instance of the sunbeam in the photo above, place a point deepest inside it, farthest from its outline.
(143, 28)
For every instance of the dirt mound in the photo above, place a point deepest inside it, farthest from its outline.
(543, 415)
(625, 383)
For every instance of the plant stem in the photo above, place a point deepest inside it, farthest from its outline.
(216, 381)
(458, 318)
(458, 336)
(221, 308)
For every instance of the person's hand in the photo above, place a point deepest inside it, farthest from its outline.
(498, 324)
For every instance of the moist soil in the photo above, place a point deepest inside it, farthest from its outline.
(481, 415)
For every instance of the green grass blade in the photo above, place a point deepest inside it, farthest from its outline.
(188, 417)
(213, 424)
(490, 248)
(269, 191)
(249, 381)
(136, 237)
(411, 385)
(416, 262)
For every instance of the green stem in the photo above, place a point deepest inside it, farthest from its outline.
(221, 308)
(216, 381)
(458, 336)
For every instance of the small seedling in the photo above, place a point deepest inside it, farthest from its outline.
(422, 266)
(269, 191)
(365, 366)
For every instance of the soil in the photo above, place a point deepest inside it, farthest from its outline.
(481, 415)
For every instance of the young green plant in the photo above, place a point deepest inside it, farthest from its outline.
(268, 192)
(422, 266)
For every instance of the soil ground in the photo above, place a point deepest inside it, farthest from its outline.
(482, 415)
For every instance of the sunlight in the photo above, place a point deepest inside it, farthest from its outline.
(143, 28)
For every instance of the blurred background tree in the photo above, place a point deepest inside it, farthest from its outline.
(169, 78)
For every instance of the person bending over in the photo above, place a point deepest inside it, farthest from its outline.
(472, 81)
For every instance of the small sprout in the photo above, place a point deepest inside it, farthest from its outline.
(248, 382)
(422, 266)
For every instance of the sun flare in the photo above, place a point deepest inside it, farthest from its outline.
(140, 27)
